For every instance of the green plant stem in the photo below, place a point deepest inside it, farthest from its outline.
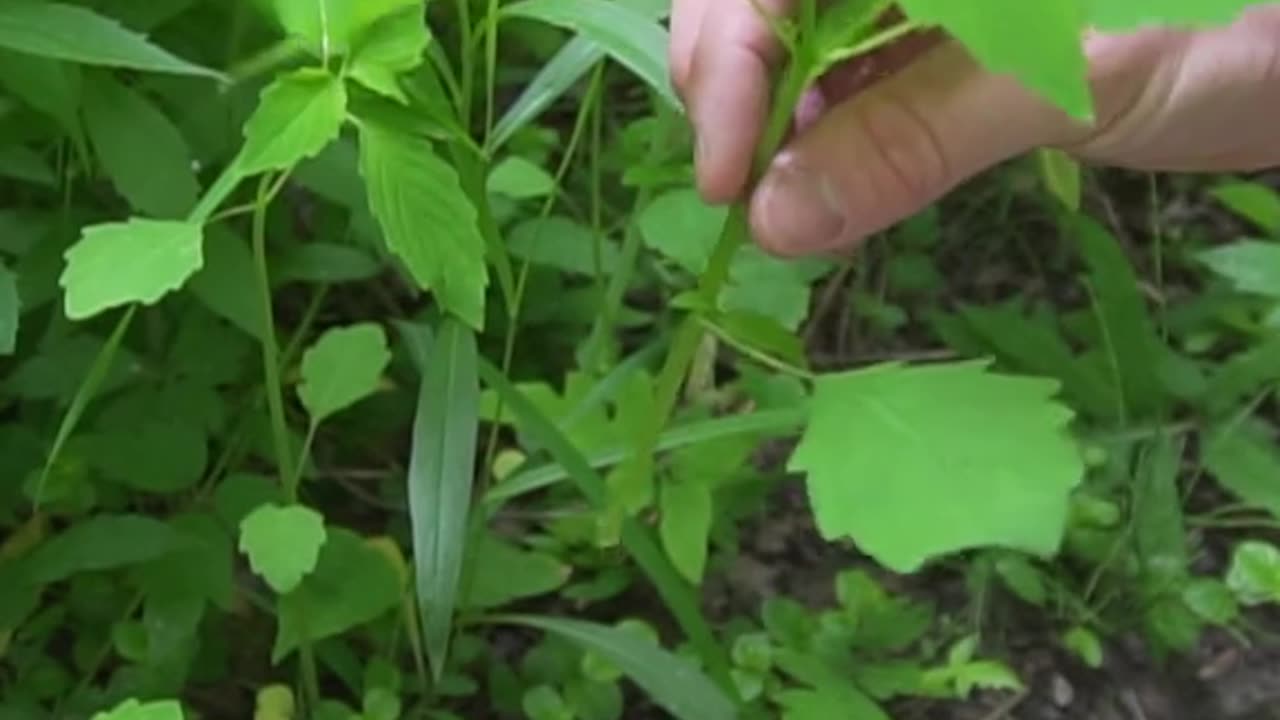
(759, 356)
(466, 63)
(270, 353)
(491, 66)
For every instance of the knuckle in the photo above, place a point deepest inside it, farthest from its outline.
(906, 148)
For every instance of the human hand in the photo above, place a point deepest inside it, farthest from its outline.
(880, 140)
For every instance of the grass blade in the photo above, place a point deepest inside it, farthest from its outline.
(626, 34)
(671, 681)
(441, 471)
(637, 540)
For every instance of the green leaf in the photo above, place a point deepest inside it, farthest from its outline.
(628, 35)
(1039, 43)
(1252, 201)
(329, 263)
(1254, 575)
(441, 471)
(103, 542)
(1212, 600)
(427, 219)
(353, 583)
(394, 45)
(1246, 462)
(1022, 577)
(686, 526)
(1132, 14)
(298, 116)
(1243, 374)
(136, 261)
(68, 32)
(505, 572)
(1252, 265)
(142, 152)
(915, 463)
(561, 243)
(50, 86)
(10, 310)
(174, 448)
(330, 27)
(520, 179)
(342, 368)
(671, 681)
(282, 543)
(228, 268)
(1085, 644)
(134, 710)
(1159, 528)
(1129, 337)
(1060, 174)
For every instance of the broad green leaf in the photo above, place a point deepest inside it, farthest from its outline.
(21, 163)
(1085, 644)
(505, 572)
(1252, 201)
(102, 542)
(1038, 43)
(162, 455)
(342, 368)
(1061, 176)
(1246, 462)
(1128, 335)
(142, 152)
(916, 463)
(282, 543)
(274, 702)
(228, 269)
(202, 569)
(681, 226)
(1159, 530)
(1254, 575)
(441, 472)
(10, 310)
(560, 243)
(628, 35)
(672, 682)
(426, 218)
(1252, 265)
(353, 583)
(134, 710)
(1212, 600)
(832, 691)
(392, 46)
(1133, 14)
(139, 261)
(329, 263)
(685, 528)
(77, 34)
(1243, 374)
(299, 114)
(518, 178)
(1022, 577)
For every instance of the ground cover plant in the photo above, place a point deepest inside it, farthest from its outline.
(378, 359)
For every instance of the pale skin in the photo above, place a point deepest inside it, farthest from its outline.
(874, 145)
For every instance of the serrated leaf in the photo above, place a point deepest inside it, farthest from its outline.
(1109, 15)
(353, 583)
(142, 152)
(136, 261)
(10, 310)
(282, 543)
(1252, 265)
(627, 34)
(393, 45)
(134, 710)
(77, 34)
(1254, 575)
(426, 218)
(916, 463)
(441, 471)
(298, 116)
(1039, 43)
(343, 367)
(671, 681)
(686, 526)
(329, 27)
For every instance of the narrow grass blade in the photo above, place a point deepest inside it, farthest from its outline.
(671, 681)
(767, 422)
(628, 35)
(638, 540)
(441, 470)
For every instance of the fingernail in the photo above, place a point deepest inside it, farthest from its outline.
(801, 210)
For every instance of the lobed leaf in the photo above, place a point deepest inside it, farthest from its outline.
(138, 261)
(917, 463)
(283, 543)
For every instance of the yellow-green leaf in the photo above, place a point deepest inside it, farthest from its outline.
(136, 261)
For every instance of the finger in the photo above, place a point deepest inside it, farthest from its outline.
(686, 18)
(891, 150)
(729, 90)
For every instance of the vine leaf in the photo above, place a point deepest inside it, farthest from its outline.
(283, 543)
(342, 368)
(135, 261)
(299, 115)
(916, 463)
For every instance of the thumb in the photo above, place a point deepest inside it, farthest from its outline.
(892, 149)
